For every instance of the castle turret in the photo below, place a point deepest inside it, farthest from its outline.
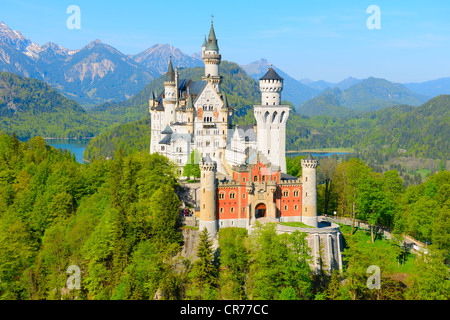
(170, 95)
(309, 191)
(208, 199)
(212, 58)
(271, 120)
(204, 46)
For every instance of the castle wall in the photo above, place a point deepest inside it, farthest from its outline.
(325, 242)
(237, 199)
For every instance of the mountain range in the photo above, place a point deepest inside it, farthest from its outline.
(94, 74)
(99, 73)
(157, 58)
(370, 94)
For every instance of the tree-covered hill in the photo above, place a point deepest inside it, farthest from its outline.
(31, 108)
(422, 131)
(131, 137)
(327, 103)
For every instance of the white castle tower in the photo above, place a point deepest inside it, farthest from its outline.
(211, 58)
(271, 120)
(208, 199)
(309, 191)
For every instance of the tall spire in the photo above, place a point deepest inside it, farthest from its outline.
(212, 40)
(170, 73)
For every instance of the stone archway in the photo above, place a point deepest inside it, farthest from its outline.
(260, 211)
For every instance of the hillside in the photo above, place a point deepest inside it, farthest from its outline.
(327, 103)
(130, 137)
(431, 88)
(31, 108)
(373, 94)
(367, 95)
(419, 131)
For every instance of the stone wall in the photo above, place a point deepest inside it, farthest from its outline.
(325, 241)
(190, 238)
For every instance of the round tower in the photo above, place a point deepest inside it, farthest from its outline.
(271, 85)
(309, 191)
(208, 218)
(271, 120)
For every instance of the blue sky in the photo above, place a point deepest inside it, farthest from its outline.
(320, 40)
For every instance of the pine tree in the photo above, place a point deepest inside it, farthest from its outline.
(165, 213)
(233, 263)
(204, 272)
(333, 291)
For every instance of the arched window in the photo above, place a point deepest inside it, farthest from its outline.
(274, 115)
(255, 178)
(266, 115)
(232, 195)
(285, 193)
(282, 116)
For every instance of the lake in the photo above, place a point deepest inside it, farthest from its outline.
(314, 154)
(75, 146)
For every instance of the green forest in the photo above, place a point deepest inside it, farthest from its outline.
(118, 221)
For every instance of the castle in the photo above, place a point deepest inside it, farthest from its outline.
(243, 168)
